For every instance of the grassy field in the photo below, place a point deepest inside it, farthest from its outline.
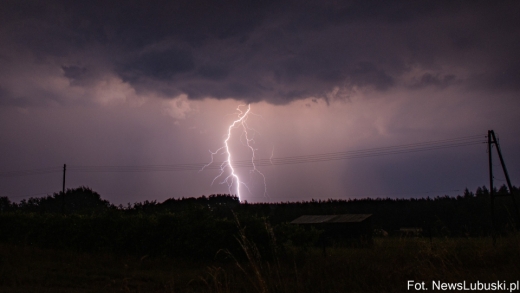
(386, 267)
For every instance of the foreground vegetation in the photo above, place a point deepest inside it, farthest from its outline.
(386, 267)
(78, 242)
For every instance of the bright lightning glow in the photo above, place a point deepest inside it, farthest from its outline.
(232, 179)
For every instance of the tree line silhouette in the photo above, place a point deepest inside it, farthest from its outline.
(200, 227)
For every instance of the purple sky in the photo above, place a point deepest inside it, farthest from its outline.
(128, 83)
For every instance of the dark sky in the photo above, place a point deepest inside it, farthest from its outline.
(135, 84)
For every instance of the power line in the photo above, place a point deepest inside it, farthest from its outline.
(366, 195)
(31, 195)
(398, 149)
(314, 158)
(30, 172)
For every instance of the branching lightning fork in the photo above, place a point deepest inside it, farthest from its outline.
(232, 179)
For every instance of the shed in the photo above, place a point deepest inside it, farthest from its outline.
(346, 228)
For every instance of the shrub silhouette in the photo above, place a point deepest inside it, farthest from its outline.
(81, 200)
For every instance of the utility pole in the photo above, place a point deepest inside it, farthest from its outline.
(63, 190)
(491, 193)
(64, 169)
(493, 140)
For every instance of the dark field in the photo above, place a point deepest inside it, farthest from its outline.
(386, 267)
(81, 243)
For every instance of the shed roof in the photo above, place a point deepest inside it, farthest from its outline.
(326, 219)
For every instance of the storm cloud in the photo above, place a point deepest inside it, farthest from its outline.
(136, 82)
(273, 51)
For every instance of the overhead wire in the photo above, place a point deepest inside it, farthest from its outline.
(30, 195)
(380, 195)
(314, 158)
(30, 172)
(334, 156)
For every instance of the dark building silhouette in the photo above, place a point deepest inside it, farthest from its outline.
(346, 229)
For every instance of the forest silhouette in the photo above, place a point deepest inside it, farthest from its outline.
(199, 227)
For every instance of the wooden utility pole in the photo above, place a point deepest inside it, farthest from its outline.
(64, 169)
(63, 190)
(493, 140)
(491, 193)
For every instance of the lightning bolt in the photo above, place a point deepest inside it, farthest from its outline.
(232, 179)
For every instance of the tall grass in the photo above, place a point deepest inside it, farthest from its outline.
(385, 267)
